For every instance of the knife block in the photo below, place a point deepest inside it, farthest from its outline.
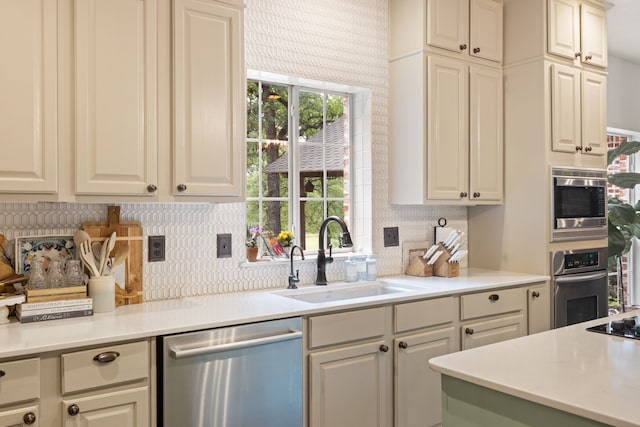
(418, 267)
(442, 267)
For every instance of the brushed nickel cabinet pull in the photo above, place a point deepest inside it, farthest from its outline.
(29, 418)
(73, 410)
(535, 294)
(384, 348)
(463, 46)
(494, 297)
(2, 374)
(468, 331)
(182, 187)
(403, 344)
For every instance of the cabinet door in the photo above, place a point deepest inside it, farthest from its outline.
(485, 29)
(491, 331)
(593, 35)
(563, 28)
(539, 308)
(418, 388)
(209, 116)
(448, 136)
(116, 67)
(485, 136)
(448, 24)
(348, 386)
(18, 417)
(565, 109)
(128, 408)
(594, 113)
(28, 104)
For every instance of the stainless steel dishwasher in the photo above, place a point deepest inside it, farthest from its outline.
(242, 376)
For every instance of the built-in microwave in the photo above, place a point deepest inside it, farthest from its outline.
(578, 203)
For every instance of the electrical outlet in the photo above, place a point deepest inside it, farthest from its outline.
(223, 244)
(391, 237)
(156, 248)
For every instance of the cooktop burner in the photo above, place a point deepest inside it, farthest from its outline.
(628, 327)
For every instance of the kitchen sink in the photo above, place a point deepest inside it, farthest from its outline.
(339, 292)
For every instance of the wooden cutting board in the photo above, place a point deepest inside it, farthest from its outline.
(126, 233)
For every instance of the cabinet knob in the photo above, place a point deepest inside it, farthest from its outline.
(151, 188)
(463, 46)
(587, 149)
(578, 148)
(403, 344)
(494, 297)
(2, 374)
(73, 410)
(577, 55)
(468, 331)
(384, 348)
(476, 50)
(588, 57)
(29, 418)
(106, 357)
(181, 188)
(535, 294)
(463, 195)
(476, 194)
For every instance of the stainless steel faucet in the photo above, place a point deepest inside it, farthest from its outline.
(294, 279)
(345, 242)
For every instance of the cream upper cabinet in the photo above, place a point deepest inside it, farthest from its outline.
(485, 134)
(471, 27)
(208, 91)
(116, 97)
(28, 104)
(455, 156)
(577, 31)
(448, 135)
(578, 109)
(461, 28)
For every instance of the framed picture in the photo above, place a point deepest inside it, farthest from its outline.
(44, 247)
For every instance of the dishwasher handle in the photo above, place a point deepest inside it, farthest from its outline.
(179, 353)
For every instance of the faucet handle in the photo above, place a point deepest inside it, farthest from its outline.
(329, 259)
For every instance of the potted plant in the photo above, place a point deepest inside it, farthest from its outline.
(624, 219)
(252, 243)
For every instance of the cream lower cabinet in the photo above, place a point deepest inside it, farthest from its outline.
(127, 408)
(18, 417)
(20, 393)
(348, 385)
(493, 316)
(539, 308)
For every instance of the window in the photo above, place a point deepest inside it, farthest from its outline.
(298, 160)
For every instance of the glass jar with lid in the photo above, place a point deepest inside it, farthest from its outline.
(37, 277)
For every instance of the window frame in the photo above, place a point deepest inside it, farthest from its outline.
(294, 168)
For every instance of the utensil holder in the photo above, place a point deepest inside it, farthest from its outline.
(442, 267)
(103, 291)
(418, 267)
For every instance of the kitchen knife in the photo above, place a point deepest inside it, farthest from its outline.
(430, 251)
(434, 258)
(455, 248)
(450, 238)
(456, 239)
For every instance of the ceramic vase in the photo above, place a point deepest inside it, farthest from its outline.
(252, 254)
(103, 291)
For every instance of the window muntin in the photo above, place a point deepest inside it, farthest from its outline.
(311, 166)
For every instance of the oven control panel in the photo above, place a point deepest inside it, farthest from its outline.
(581, 260)
(578, 261)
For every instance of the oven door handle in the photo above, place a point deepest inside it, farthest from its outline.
(179, 353)
(581, 277)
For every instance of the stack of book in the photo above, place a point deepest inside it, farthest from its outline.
(54, 310)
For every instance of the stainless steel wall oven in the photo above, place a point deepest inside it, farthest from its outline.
(580, 285)
(578, 204)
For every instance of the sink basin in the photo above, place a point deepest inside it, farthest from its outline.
(334, 292)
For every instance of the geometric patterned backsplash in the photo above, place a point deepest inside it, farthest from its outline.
(190, 267)
(343, 42)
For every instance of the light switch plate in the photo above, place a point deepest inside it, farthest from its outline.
(391, 237)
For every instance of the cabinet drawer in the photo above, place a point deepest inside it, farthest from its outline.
(492, 302)
(423, 314)
(19, 380)
(344, 327)
(82, 370)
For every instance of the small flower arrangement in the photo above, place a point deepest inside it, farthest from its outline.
(254, 234)
(285, 238)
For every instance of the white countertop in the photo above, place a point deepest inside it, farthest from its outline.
(187, 314)
(589, 374)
